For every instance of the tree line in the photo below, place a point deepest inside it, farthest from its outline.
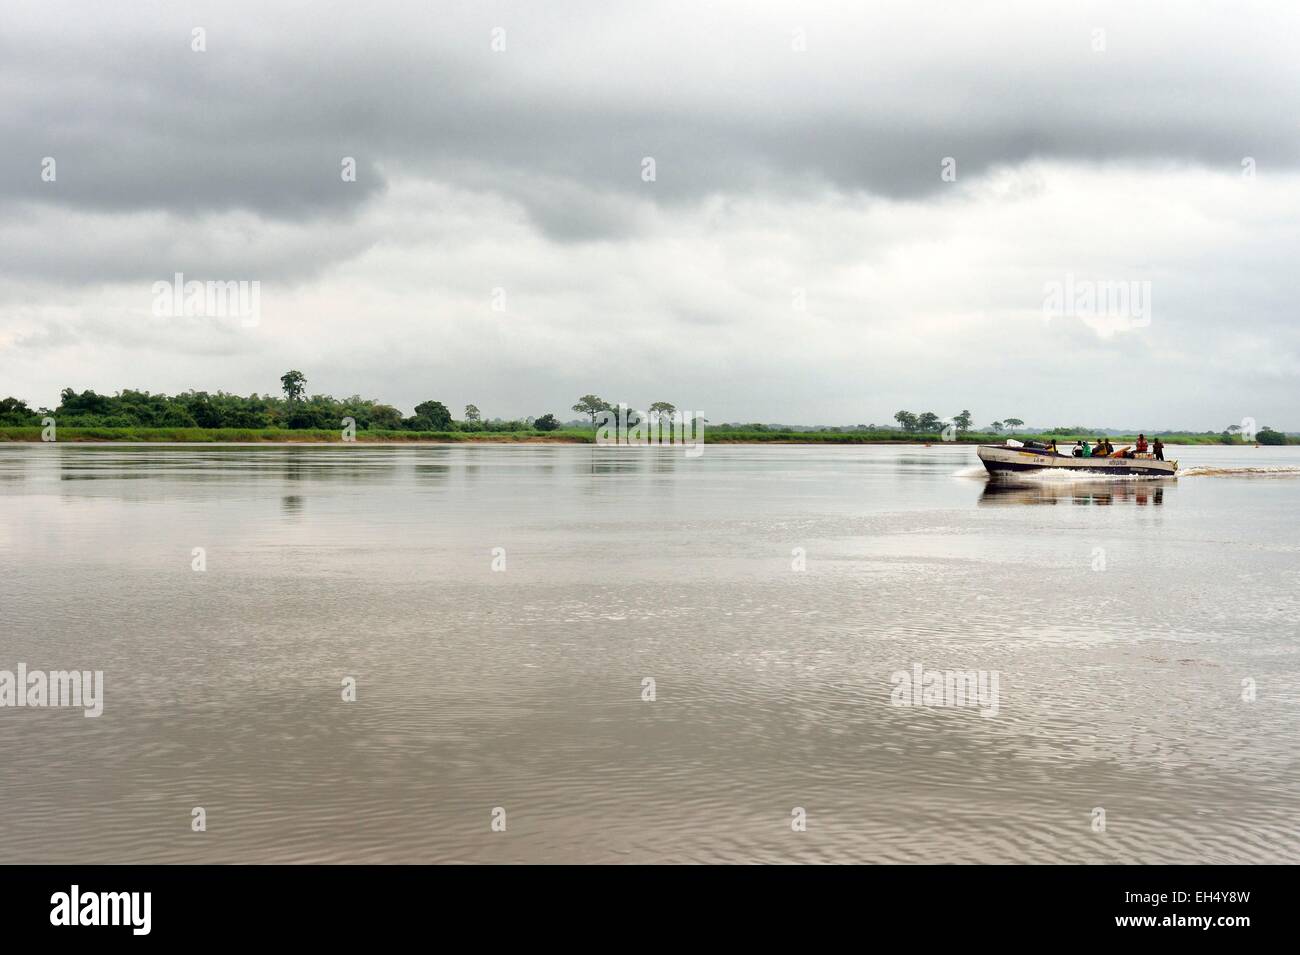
(295, 409)
(594, 406)
(930, 423)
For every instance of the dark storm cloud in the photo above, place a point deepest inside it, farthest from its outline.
(260, 121)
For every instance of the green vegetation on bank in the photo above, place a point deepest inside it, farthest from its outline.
(284, 435)
(723, 434)
(200, 416)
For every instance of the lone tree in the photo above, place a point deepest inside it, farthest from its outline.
(1013, 423)
(591, 405)
(995, 427)
(661, 414)
(906, 420)
(472, 413)
(432, 416)
(929, 421)
(293, 383)
(962, 421)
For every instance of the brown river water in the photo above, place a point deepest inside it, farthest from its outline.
(504, 609)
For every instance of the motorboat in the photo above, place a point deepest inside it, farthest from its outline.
(1015, 456)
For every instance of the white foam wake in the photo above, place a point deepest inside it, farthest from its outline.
(1264, 471)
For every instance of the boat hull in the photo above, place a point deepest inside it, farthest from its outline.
(1000, 460)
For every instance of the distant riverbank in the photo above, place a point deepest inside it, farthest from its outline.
(719, 435)
(202, 417)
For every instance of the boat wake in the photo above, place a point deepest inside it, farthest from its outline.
(1277, 471)
(978, 472)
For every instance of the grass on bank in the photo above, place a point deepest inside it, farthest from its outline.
(281, 435)
(718, 435)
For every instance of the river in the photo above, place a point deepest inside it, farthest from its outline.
(576, 654)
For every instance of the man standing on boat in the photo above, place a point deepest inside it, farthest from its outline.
(1159, 449)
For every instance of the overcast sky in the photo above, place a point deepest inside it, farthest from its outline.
(797, 257)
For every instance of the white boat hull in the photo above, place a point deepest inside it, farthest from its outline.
(999, 459)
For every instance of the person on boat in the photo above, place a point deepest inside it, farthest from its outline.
(1159, 449)
(1051, 447)
(1086, 451)
(1142, 444)
(1078, 450)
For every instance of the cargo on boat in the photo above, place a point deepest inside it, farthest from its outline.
(1014, 457)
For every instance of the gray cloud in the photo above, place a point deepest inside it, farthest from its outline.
(261, 119)
(776, 170)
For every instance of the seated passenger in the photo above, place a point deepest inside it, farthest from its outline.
(1078, 450)
(1142, 444)
(1087, 451)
